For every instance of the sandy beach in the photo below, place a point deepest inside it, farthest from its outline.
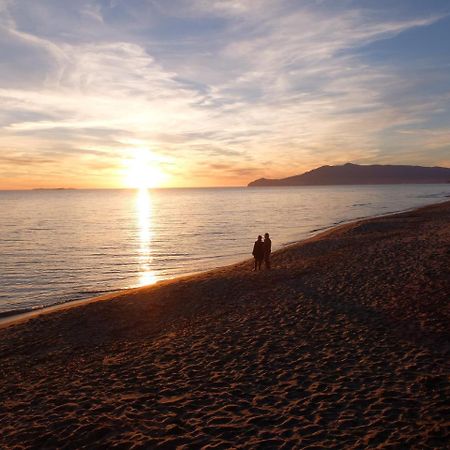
(344, 344)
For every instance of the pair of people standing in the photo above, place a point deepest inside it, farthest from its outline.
(261, 252)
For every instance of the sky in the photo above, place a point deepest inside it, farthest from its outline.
(119, 93)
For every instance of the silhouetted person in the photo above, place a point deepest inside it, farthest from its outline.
(258, 253)
(267, 250)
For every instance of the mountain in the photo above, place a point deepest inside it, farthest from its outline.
(356, 174)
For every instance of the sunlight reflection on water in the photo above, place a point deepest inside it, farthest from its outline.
(67, 245)
(145, 226)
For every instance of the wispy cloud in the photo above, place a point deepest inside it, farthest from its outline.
(243, 88)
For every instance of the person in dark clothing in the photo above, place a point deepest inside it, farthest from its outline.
(258, 253)
(267, 250)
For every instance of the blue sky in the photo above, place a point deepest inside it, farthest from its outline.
(218, 92)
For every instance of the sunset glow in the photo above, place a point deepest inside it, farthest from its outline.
(219, 92)
(143, 172)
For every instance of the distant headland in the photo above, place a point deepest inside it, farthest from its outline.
(361, 174)
(54, 189)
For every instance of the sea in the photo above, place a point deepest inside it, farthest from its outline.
(62, 245)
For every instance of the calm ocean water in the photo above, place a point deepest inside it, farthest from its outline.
(58, 246)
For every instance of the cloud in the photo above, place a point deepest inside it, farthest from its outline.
(258, 86)
(24, 160)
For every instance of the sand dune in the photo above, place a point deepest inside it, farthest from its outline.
(344, 344)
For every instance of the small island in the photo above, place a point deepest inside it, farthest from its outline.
(349, 174)
(54, 189)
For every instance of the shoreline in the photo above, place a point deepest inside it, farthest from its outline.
(343, 344)
(10, 317)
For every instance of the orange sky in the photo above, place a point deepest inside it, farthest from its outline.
(217, 93)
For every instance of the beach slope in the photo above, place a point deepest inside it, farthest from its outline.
(344, 344)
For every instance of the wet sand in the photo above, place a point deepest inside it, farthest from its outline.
(344, 344)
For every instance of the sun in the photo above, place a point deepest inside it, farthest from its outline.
(143, 170)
